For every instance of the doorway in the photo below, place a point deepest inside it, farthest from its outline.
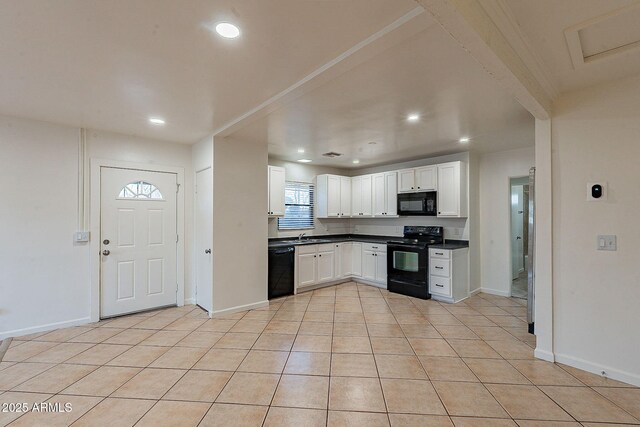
(204, 239)
(519, 205)
(138, 240)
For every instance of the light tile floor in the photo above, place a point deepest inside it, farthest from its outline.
(348, 355)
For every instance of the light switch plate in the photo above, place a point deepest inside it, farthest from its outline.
(81, 236)
(607, 242)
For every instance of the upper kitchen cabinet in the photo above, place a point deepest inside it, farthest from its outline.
(361, 196)
(276, 179)
(333, 196)
(385, 194)
(452, 190)
(418, 179)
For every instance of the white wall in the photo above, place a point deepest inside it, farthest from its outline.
(307, 173)
(495, 215)
(239, 224)
(45, 278)
(596, 136)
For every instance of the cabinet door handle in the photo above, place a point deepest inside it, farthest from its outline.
(439, 253)
(439, 268)
(440, 286)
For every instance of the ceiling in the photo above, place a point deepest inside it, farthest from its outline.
(596, 28)
(428, 74)
(111, 65)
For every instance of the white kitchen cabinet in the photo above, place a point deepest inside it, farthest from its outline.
(344, 259)
(452, 190)
(414, 180)
(406, 181)
(326, 265)
(385, 194)
(356, 259)
(426, 178)
(361, 196)
(368, 265)
(381, 267)
(345, 196)
(449, 274)
(276, 183)
(316, 264)
(333, 196)
(306, 265)
(374, 263)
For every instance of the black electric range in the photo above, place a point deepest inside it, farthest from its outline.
(408, 260)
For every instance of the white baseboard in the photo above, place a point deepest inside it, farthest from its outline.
(238, 308)
(594, 368)
(495, 292)
(189, 301)
(544, 355)
(44, 328)
(475, 291)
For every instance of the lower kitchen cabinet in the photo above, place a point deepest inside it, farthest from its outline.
(449, 274)
(333, 262)
(374, 263)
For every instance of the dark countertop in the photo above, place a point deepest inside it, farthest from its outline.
(451, 244)
(341, 238)
(335, 238)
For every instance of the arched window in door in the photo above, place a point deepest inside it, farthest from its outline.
(140, 190)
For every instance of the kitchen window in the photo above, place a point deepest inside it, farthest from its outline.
(298, 211)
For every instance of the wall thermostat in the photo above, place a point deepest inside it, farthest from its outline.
(597, 191)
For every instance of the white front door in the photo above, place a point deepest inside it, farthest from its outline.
(204, 239)
(138, 240)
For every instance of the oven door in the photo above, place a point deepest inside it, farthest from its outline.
(407, 270)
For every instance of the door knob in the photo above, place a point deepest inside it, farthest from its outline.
(207, 251)
(106, 252)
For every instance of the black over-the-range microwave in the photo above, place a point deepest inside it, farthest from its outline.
(417, 204)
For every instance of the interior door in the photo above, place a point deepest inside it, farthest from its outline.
(517, 231)
(204, 239)
(138, 240)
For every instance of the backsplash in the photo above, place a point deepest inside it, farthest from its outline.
(454, 228)
(322, 227)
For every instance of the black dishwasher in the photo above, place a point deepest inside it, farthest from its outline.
(281, 264)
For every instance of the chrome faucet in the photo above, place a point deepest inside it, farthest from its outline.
(301, 235)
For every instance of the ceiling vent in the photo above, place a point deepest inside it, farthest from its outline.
(604, 36)
(332, 154)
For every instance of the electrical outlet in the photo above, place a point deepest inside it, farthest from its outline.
(607, 242)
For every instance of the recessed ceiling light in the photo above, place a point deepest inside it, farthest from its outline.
(464, 139)
(300, 150)
(413, 117)
(304, 161)
(156, 121)
(355, 162)
(227, 30)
